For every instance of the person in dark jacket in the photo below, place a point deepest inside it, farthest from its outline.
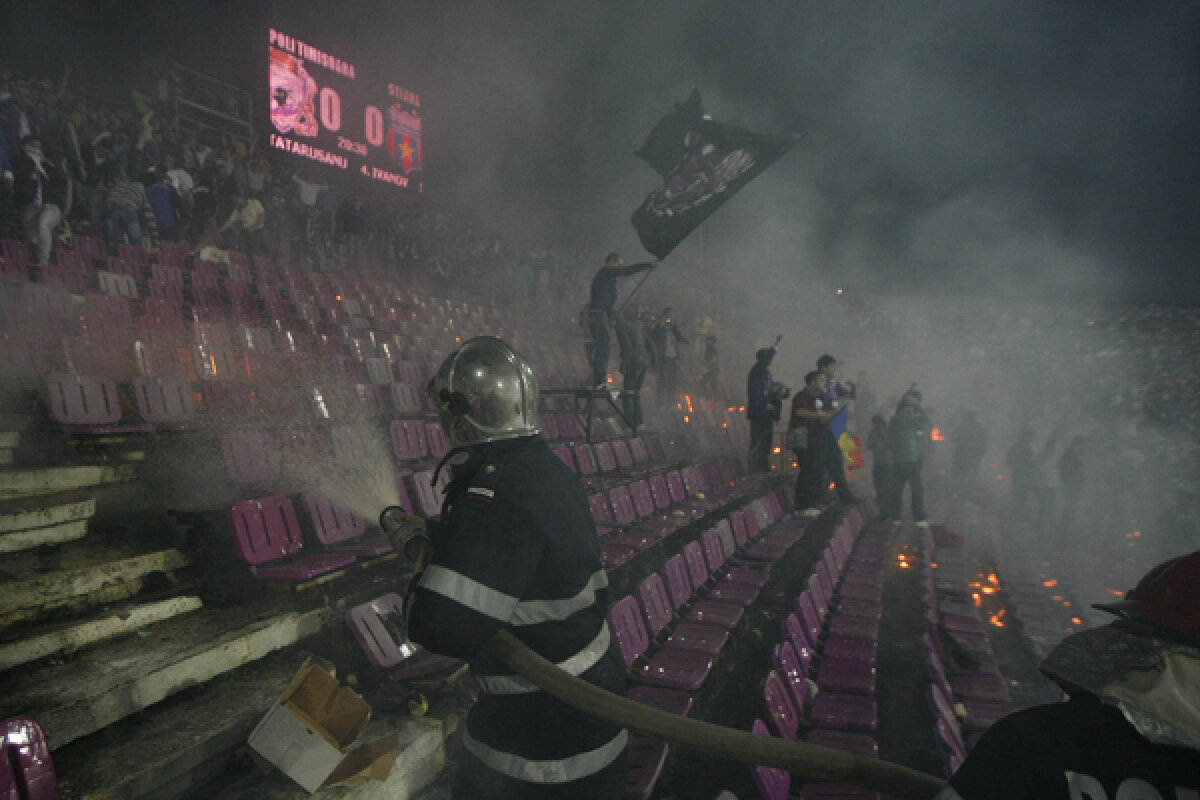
(762, 422)
(1131, 728)
(600, 310)
(39, 195)
(906, 430)
(516, 549)
(807, 427)
(665, 338)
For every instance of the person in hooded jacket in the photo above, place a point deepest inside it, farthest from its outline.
(1131, 728)
(758, 411)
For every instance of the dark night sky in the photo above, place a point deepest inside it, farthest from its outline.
(1051, 146)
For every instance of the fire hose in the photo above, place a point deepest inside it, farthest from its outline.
(811, 761)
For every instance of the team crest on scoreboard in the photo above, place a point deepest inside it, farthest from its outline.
(292, 93)
(404, 136)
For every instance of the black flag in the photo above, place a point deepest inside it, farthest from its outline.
(703, 163)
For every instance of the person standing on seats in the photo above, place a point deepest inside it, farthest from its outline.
(600, 310)
(516, 549)
(758, 411)
(835, 397)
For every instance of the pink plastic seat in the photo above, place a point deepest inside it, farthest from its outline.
(679, 587)
(26, 768)
(671, 669)
(270, 541)
(408, 440)
(87, 404)
(659, 616)
(338, 528)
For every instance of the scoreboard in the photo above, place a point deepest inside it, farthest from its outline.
(323, 109)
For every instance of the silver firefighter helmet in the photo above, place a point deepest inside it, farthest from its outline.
(484, 392)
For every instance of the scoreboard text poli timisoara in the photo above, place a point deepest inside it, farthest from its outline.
(321, 109)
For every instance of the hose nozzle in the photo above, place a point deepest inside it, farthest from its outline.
(408, 532)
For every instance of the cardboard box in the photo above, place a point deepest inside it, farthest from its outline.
(307, 733)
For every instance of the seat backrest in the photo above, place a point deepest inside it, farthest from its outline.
(172, 275)
(772, 783)
(782, 714)
(658, 453)
(375, 624)
(637, 449)
(818, 594)
(569, 426)
(549, 426)
(82, 399)
(676, 488)
(601, 511)
(831, 563)
(693, 481)
(622, 505)
(427, 499)
(679, 581)
(250, 457)
(660, 492)
(793, 669)
(164, 401)
(605, 460)
(625, 622)
(652, 594)
(266, 529)
(693, 556)
(406, 400)
(26, 769)
(585, 463)
(737, 522)
(725, 534)
(332, 523)
(408, 439)
(807, 611)
(643, 503)
(710, 545)
(797, 632)
(621, 452)
(439, 445)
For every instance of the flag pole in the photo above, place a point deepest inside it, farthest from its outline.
(649, 272)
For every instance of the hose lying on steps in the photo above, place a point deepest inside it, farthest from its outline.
(811, 761)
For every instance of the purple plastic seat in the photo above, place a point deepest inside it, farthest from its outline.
(26, 768)
(720, 542)
(670, 669)
(862, 651)
(672, 701)
(87, 404)
(836, 624)
(732, 593)
(439, 444)
(842, 677)
(338, 528)
(427, 499)
(847, 712)
(860, 744)
(645, 758)
(406, 400)
(772, 783)
(713, 612)
(408, 440)
(375, 625)
(270, 541)
(659, 615)
(783, 714)
(165, 403)
(606, 461)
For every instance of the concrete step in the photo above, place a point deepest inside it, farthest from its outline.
(6, 457)
(46, 480)
(175, 749)
(99, 686)
(65, 638)
(169, 750)
(9, 439)
(38, 520)
(85, 574)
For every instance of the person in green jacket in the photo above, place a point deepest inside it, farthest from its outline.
(905, 430)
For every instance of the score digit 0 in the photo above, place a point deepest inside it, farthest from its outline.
(331, 109)
(373, 125)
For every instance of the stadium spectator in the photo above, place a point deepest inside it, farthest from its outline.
(665, 338)
(881, 460)
(39, 195)
(247, 220)
(835, 398)
(1131, 725)
(905, 430)
(807, 427)
(635, 360)
(1071, 478)
(123, 207)
(762, 422)
(600, 309)
(169, 210)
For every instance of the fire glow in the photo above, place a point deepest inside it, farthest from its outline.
(997, 619)
(936, 435)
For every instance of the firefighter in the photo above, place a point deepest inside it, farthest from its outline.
(1131, 728)
(516, 549)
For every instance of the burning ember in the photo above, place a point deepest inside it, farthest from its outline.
(937, 435)
(777, 450)
(1076, 621)
(977, 599)
(1050, 583)
(997, 619)
(902, 561)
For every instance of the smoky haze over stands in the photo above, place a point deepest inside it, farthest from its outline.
(993, 187)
